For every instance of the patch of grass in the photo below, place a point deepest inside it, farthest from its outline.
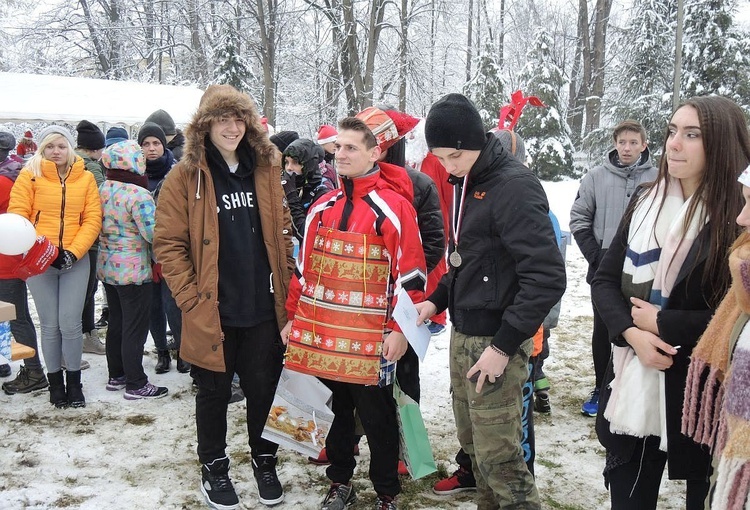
(552, 503)
(548, 463)
(68, 501)
(30, 419)
(140, 419)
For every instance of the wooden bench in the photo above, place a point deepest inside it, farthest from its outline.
(20, 351)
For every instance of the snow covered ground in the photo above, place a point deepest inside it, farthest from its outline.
(117, 454)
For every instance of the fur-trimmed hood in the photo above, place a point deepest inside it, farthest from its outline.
(221, 100)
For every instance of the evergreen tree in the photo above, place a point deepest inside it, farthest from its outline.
(231, 67)
(487, 89)
(545, 130)
(645, 49)
(716, 54)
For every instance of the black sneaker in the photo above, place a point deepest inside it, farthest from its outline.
(541, 402)
(216, 486)
(269, 488)
(339, 497)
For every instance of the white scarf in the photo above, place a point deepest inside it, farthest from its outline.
(658, 245)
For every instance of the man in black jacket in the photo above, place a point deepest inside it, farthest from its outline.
(506, 274)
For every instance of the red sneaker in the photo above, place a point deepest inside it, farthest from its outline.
(461, 480)
(322, 458)
(402, 469)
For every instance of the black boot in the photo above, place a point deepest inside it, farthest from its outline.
(162, 364)
(57, 395)
(75, 393)
(183, 366)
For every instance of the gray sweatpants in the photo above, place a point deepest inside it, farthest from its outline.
(59, 297)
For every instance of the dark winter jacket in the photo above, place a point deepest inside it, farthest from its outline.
(682, 323)
(511, 273)
(429, 217)
(302, 190)
(157, 169)
(601, 201)
(176, 145)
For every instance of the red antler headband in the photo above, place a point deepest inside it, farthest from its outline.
(509, 114)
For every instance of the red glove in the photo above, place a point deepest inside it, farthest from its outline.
(156, 272)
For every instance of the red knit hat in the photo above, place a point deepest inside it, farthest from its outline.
(403, 121)
(381, 125)
(327, 134)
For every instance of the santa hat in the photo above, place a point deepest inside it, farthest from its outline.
(326, 134)
(381, 125)
(27, 134)
(403, 121)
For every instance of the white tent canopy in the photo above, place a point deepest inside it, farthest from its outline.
(41, 98)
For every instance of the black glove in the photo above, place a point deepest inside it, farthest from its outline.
(65, 260)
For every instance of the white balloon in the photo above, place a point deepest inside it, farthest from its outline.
(17, 234)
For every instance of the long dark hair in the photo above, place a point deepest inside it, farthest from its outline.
(726, 145)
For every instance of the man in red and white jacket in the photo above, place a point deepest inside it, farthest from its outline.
(374, 202)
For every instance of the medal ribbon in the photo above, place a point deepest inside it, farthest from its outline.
(458, 219)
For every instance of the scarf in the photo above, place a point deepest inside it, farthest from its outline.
(126, 176)
(716, 410)
(658, 244)
(157, 169)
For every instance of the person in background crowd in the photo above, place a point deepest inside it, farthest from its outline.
(656, 289)
(57, 194)
(282, 139)
(506, 274)
(13, 290)
(326, 138)
(369, 216)
(26, 146)
(90, 145)
(302, 181)
(124, 266)
(175, 138)
(597, 210)
(114, 134)
(159, 161)
(224, 239)
(419, 157)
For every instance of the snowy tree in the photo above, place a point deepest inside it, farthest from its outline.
(716, 53)
(231, 67)
(645, 82)
(545, 130)
(487, 88)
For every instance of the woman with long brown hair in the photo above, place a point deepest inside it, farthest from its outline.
(656, 289)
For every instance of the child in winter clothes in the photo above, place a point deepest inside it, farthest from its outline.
(124, 266)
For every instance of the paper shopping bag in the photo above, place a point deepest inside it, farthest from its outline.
(416, 451)
(300, 416)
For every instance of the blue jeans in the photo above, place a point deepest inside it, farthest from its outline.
(22, 327)
(59, 297)
(163, 310)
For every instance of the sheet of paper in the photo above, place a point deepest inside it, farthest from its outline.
(405, 314)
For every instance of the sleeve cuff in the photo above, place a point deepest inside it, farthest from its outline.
(439, 298)
(508, 339)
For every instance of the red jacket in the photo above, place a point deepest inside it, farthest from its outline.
(379, 205)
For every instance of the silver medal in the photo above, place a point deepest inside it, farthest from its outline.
(455, 259)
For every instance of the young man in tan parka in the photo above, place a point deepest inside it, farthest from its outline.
(223, 237)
